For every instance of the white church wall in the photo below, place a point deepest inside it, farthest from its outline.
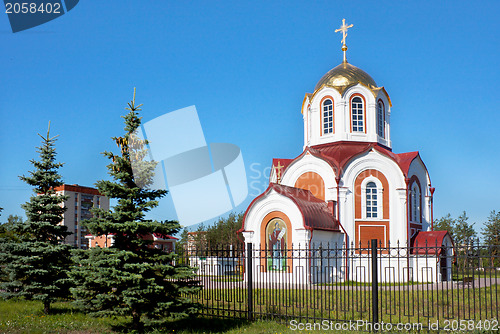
(314, 126)
(423, 269)
(297, 271)
(306, 110)
(267, 204)
(447, 258)
(312, 115)
(342, 118)
(395, 179)
(310, 163)
(302, 268)
(327, 263)
(327, 239)
(386, 141)
(213, 266)
(370, 134)
(418, 169)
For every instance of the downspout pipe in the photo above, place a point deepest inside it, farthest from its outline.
(407, 181)
(432, 190)
(337, 179)
(310, 252)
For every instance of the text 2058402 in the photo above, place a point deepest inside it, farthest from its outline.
(32, 8)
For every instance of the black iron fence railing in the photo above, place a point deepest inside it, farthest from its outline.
(427, 284)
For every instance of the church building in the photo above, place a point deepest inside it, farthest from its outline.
(347, 186)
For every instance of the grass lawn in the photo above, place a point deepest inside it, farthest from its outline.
(20, 316)
(412, 304)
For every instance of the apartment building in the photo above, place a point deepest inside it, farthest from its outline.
(81, 200)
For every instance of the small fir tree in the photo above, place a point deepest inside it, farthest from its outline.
(131, 277)
(36, 265)
(225, 231)
(6, 232)
(491, 230)
(181, 247)
(446, 223)
(464, 231)
(491, 235)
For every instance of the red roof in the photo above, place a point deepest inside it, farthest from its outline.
(428, 242)
(157, 235)
(164, 236)
(79, 189)
(339, 154)
(315, 212)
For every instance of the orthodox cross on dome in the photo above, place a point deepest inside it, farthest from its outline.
(277, 170)
(344, 28)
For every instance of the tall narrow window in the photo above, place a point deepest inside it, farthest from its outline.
(380, 119)
(327, 117)
(371, 200)
(358, 124)
(415, 203)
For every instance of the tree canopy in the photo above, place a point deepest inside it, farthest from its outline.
(461, 231)
(6, 229)
(36, 262)
(131, 277)
(225, 230)
(491, 230)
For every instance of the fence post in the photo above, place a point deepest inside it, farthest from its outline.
(374, 282)
(250, 281)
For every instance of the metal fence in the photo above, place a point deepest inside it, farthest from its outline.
(398, 284)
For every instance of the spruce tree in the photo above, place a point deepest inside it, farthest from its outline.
(491, 235)
(37, 263)
(225, 231)
(6, 232)
(131, 277)
(464, 231)
(446, 223)
(491, 230)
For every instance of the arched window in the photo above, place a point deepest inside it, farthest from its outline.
(357, 110)
(371, 200)
(327, 116)
(415, 203)
(380, 119)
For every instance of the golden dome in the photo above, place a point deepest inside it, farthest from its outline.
(344, 76)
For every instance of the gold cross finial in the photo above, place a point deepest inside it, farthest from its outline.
(278, 169)
(344, 28)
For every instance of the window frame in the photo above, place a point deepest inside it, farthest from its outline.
(380, 198)
(415, 217)
(322, 123)
(371, 209)
(381, 119)
(363, 113)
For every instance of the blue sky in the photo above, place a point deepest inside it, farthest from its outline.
(246, 65)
